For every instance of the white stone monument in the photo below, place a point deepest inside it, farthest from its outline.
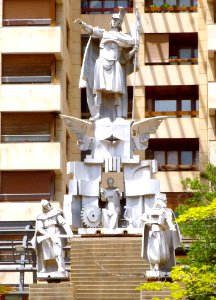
(111, 139)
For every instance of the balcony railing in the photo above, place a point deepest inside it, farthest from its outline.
(26, 79)
(26, 22)
(176, 61)
(172, 113)
(167, 8)
(178, 167)
(18, 138)
(25, 197)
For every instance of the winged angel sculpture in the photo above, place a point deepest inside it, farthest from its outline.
(88, 139)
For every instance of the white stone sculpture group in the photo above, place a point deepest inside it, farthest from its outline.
(112, 139)
(51, 233)
(160, 237)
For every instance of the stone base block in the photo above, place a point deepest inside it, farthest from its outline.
(110, 231)
(157, 274)
(55, 276)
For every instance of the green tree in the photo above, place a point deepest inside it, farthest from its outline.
(5, 289)
(196, 277)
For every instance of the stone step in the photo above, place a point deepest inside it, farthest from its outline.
(105, 268)
(148, 295)
(52, 291)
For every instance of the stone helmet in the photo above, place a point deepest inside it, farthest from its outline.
(44, 202)
(161, 199)
(120, 15)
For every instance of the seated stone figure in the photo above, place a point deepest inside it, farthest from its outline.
(112, 196)
(50, 232)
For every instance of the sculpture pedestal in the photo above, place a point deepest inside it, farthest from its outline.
(157, 274)
(110, 231)
(53, 276)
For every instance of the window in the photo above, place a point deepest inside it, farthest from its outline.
(174, 154)
(173, 48)
(26, 185)
(27, 127)
(156, 48)
(172, 101)
(31, 68)
(105, 6)
(183, 48)
(30, 13)
(85, 113)
(174, 199)
(173, 2)
(68, 39)
(84, 41)
(68, 89)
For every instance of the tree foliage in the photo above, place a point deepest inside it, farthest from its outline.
(196, 277)
(5, 289)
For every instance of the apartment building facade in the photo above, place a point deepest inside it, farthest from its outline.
(37, 70)
(41, 52)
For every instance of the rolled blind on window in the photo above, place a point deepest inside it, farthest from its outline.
(156, 48)
(26, 185)
(26, 123)
(27, 64)
(28, 9)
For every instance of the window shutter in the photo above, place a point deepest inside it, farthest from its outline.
(27, 127)
(23, 11)
(27, 64)
(33, 184)
(156, 48)
(26, 123)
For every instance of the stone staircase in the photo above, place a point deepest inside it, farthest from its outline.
(52, 291)
(105, 268)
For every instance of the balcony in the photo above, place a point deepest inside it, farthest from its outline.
(25, 211)
(170, 22)
(32, 40)
(212, 97)
(178, 128)
(156, 75)
(169, 8)
(211, 40)
(31, 156)
(171, 180)
(212, 152)
(34, 97)
(152, 23)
